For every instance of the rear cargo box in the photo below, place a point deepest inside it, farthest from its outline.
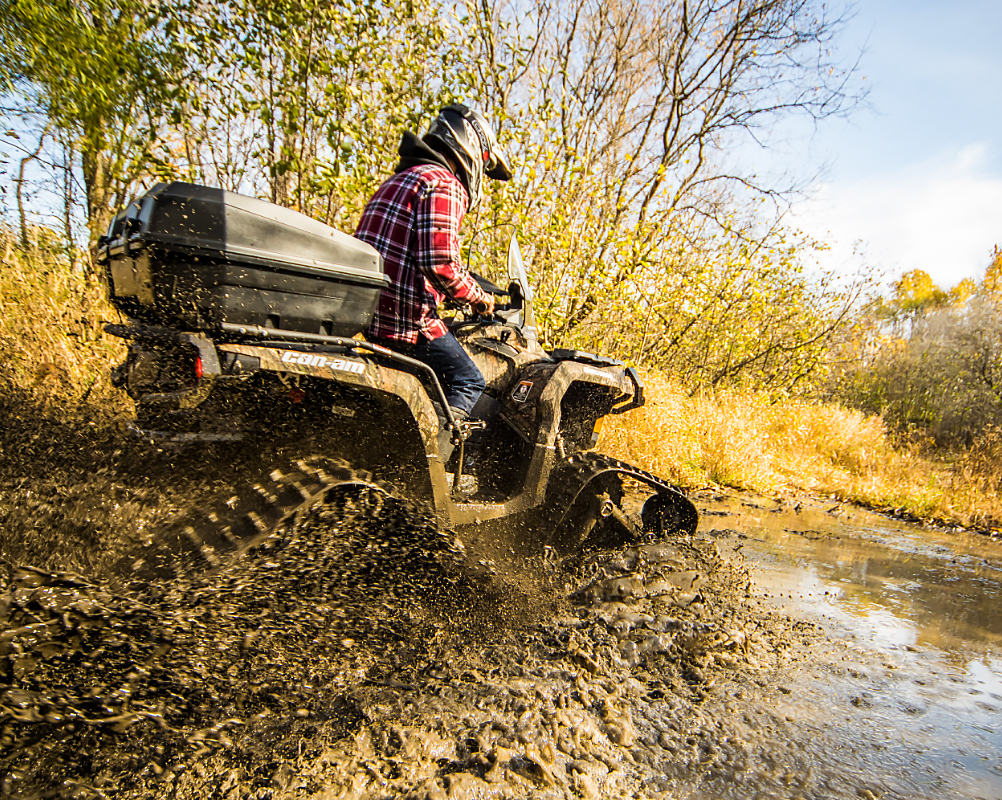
(193, 257)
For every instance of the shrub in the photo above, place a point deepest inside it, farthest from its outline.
(944, 381)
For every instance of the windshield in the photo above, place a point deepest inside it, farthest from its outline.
(525, 319)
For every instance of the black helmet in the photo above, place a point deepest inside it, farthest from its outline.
(467, 136)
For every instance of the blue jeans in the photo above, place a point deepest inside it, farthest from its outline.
(461, 381)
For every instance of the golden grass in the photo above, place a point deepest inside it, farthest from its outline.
(53, 349)
(743, 440)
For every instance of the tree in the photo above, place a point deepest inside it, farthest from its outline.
(992, 283)
(943, 378)
(305, 101)
(99, 72)
(623, 115)
(620, 116)
(960, 294)
(916, 292)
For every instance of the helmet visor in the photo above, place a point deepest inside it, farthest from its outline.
(498, 169)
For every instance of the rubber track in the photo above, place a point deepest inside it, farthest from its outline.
(573, 476)
(202, 542)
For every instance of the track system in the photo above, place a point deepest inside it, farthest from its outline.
(248, 517)
(586, 509)
(586, 504)
(100, 682)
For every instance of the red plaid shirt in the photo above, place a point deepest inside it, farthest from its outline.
(413, 221)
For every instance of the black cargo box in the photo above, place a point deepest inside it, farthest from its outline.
(193, 257)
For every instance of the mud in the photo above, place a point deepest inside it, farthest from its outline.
(366, 653)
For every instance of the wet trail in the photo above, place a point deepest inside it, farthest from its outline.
(365, 653)
(912, 687)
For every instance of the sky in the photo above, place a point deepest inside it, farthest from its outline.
(914, 176)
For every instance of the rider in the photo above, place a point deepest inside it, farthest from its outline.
(413, 220)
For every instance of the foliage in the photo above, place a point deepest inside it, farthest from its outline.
(941, 374)
(98, 71)
(992, 283)
(54, 354)
(304, 103)
(644, 238)
(53, 349)
(743, 439)
(915, 293)
(722, 312)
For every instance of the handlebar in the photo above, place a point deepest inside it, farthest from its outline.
(514, 294)
(493, 315)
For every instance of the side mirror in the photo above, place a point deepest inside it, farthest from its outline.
(516, 300)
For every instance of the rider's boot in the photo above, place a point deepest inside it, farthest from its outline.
(445, 445)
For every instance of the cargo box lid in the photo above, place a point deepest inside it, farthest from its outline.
(203, 221)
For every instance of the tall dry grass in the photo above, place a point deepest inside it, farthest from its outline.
(747, 441)
(54, 353)
(55, 360)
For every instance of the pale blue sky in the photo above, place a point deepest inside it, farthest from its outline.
(915, 177)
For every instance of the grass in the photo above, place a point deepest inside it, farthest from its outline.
(54, 353)
(745, 441)
(55, 361)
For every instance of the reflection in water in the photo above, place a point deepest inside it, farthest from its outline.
(945, 588)
(924, 606)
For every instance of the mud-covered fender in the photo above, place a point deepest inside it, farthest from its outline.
(353, 371)
(533, 406)
(365, 373)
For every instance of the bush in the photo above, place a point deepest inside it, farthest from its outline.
(745, 440)
(943, 382)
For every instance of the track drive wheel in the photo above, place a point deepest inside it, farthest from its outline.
(587, 509)
(665, 513)
(597, 519)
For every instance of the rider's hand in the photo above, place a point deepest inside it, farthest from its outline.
(485, 309)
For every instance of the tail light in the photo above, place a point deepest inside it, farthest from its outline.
(191, 368)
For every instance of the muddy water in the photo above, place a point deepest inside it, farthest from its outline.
(365, 654)
(909, 690)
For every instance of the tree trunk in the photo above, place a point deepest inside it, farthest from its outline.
(97, 186)
(20, 187)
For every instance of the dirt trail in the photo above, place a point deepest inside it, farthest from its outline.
(366, 653)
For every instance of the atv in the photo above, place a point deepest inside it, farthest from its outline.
(244, 322)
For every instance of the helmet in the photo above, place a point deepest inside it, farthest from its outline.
(466, 135)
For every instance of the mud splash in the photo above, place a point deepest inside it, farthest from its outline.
(363, 653)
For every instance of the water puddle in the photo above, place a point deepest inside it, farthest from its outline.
(911, 690)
